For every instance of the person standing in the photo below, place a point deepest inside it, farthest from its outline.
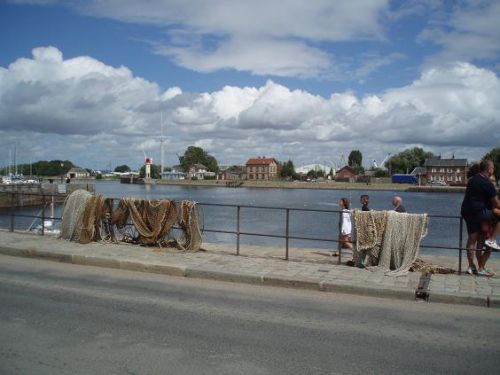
(397, 203)
(345, 226)
(364, 200)
(481, 204)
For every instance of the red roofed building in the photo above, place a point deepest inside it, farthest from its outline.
(346, 174)
(262, 168)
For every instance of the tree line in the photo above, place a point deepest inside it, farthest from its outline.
(41, 168)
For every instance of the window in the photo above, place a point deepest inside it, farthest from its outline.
(433, 170)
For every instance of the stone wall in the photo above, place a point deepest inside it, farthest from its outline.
(21, 195)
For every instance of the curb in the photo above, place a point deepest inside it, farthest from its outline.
(268, 279)
(462, 299)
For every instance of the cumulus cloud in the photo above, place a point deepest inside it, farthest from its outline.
(93, 113)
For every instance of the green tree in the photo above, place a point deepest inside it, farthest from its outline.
(494, 156)
(355, 158)
(122, 168)
(315, 173)
(196, 155)
(379, 172)
(155, 171)
(287, 171)
(43, 168)
(407, 160)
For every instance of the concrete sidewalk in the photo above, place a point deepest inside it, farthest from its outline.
(308, 268)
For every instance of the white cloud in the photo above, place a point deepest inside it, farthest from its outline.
(470, 32)
(264, 37)
(92, 113)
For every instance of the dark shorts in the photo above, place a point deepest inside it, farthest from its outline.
(473, 222)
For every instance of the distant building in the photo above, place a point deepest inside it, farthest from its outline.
(77, 172)
(261, 168)
(313, 167)
(175, 174)
(347, 174)
(234, 172)
(451, 171)
(200, 172)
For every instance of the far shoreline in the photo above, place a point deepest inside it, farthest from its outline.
(319, 185)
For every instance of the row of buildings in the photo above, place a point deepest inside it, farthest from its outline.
(437, 170)
(445, 171)
(260, 168)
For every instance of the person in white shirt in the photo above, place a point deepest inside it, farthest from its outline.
(345, 226)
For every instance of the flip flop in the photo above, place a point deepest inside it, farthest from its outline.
(490, 272)
(484, 273)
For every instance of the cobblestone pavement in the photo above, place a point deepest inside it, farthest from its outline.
(307, 268)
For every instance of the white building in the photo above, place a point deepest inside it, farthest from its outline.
(315, 167)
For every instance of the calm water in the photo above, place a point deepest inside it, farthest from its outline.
(442, 232)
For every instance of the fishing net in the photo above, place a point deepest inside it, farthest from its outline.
(95, 221)
(73, 212)
(189, 223)
(152, 220)
(89, 218)
(389, 240)
(401, 243)
(370, 228)
(420, 265)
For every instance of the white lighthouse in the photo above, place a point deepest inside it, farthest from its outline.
(147, 168)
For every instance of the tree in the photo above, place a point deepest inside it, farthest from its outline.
(287, 171)
(494, 156)
(379, 172)
(315, 173)
(196, 155)
(355, 158)
(122, 168)
(43, 168)
(407, 160)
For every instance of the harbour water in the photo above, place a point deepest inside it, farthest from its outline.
(442, 231)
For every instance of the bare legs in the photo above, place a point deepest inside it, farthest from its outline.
(471, 249)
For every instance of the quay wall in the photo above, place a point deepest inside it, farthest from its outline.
(23, 195)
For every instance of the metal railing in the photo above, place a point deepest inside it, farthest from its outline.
(286, 236)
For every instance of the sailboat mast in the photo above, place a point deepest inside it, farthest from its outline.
(15, 158)
(10, 161)
(161, 144)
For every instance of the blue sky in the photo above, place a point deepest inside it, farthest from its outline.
(87, 80)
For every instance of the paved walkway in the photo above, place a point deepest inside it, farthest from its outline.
(307, 268)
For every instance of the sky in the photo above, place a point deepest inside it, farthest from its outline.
(93, 81)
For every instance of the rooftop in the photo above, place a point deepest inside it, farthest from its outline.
(445, 162)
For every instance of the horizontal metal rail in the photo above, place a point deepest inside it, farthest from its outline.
(238, 233)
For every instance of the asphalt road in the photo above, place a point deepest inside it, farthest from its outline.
(67, 319)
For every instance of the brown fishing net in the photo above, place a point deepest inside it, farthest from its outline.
(146, 222)
(420, 265)
(189, 223)
(95, 220)
(151, 219)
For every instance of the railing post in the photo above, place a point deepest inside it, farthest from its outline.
(12, 212)
(238, 230)
(43, 214)
(460, 239)
(287, 235)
